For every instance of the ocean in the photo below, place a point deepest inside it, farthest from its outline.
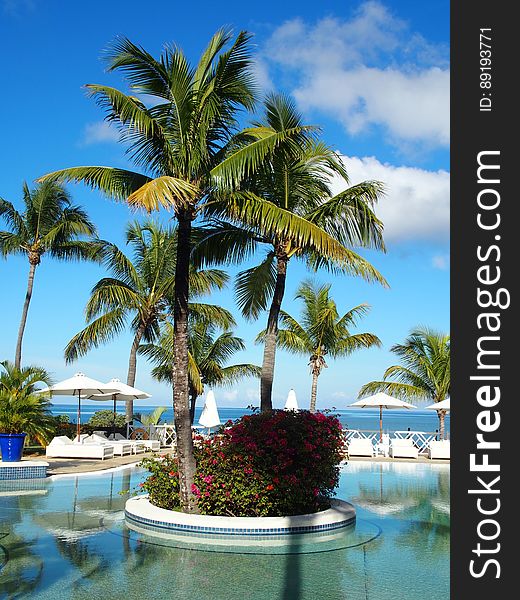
(353, 418)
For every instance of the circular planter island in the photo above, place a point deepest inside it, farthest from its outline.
(142, 515)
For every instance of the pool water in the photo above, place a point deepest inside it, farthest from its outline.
(66, 538)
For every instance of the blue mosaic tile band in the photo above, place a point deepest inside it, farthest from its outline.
(237, 530)
(32, 472)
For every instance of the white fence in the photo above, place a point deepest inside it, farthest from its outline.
(421, 439)
(164, 433)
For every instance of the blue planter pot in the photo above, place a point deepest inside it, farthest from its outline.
(11, 446)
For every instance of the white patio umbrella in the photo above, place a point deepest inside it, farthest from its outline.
(125, 392)
(442, 405)
(291, 403)
(79, 384)
(209, 417)
(381, 400)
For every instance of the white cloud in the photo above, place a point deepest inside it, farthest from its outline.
(370, 70)
(229, 395)
(99, 132)
(441, 261)
(416, 204)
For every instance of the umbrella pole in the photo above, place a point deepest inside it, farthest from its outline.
(381, 424)
(114, 419)
(78, 425)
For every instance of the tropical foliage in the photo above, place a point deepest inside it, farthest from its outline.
(322, 331)
(49, 224)
(210, 347)
(105, 418)
(153, 418)
(424, 372)
(21, 409)
(140, 292)
(268, 464)
(291, 185)
(177, 141)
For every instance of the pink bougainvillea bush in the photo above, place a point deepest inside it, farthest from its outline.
(270, 464)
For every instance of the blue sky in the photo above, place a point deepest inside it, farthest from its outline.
(374, 75)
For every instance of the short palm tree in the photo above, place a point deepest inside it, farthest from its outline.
(21, 409)
(321, 331)
(424, 372)
(141, 290)
(50, 224)
(295, 178)
(209, 351)
(182, 142)
(153, 418)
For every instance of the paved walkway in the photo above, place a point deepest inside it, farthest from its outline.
(71, 466)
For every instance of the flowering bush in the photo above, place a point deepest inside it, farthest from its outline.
(163, 483)
(270, 464)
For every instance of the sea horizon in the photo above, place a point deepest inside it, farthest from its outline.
(425, 420)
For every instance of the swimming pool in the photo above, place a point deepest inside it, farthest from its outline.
(66, 538)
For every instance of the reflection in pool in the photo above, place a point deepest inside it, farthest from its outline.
(67, 538)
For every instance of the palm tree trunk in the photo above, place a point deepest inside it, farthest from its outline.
(25, 310)
(442, 414)
(181, 407)
(267, 375)
(132, 366)
(314, 390)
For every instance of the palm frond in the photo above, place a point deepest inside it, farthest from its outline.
(254, 287)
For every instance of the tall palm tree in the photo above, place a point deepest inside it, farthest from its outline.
(295, 177)
(49, 224)
(141, 289)
(181, 143)
(21, 409)
(209, 351)
(423, 374)
(321, 331)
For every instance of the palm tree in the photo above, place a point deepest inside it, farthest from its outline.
(208, 354)
(424, 372)
(153, 418)
(21, 409)
(178, 142)
(321, 331)
(141, 289)
(295, 177)
(49, 224)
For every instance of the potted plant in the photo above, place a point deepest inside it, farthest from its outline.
(22, 411)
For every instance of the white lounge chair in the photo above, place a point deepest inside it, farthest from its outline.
(137, 446)
(120, 448)
(383, 447)
(63, 447)
(154, 445)
(439, 449)
(360, 447)
(403, 448)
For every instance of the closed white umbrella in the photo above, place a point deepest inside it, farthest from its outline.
(291, 403)
(125, 392)
(381, 400)
(209, 417)
(79, 384)
(442, 405)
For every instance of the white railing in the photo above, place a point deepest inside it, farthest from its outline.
(421, 439)
(163, 433)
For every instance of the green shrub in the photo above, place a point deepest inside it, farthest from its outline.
(105, 418)
(271, 464)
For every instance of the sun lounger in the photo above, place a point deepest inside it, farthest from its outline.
(120, 448)
(63, 447)
(439, 449)
(154, 445)
(138, 447)
(360, 447)
(403, 448)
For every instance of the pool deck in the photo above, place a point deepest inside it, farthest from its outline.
(72, 466)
